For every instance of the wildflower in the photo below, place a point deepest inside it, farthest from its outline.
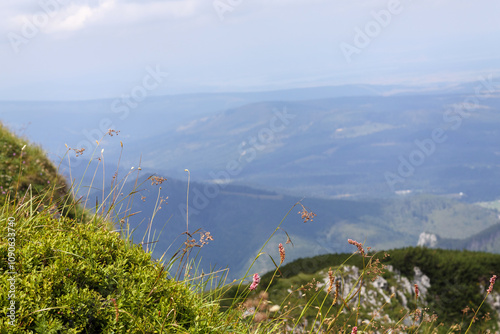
(274, 308)
(492, 282)
(418, 315)
(354, 330)
(282, 253)
(337, 289)
(306, 215)
(256, 281)
(331, 279)
(357, 244)
(260, 317)
(416, 291)
(205, 238)
(157, 180)
(78, 152)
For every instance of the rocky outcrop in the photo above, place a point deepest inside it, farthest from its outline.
(377, 293)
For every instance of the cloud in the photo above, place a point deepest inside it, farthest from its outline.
(124, 12)
(68, 16)
(75, 19)
(259, 44)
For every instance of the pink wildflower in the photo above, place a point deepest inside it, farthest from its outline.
(357, 244)
(282, 253)
(492, 282)
(416, 291)
(256, 281)
(354, 330)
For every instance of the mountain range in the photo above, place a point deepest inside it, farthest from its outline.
(243, 219)
(379, 164)
(330, 142)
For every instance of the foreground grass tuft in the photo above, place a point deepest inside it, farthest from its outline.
(81, 278)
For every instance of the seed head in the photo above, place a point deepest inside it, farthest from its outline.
(306, 215)
(492, 283)
(282, 253)
(357, 244)
(331, 278)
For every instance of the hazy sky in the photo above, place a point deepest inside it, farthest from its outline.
(76, 49)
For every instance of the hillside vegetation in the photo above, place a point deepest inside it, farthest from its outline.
(71, 274)
(456, 281)
(25, 170)
(65, 269)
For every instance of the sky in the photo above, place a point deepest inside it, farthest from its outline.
(79, 50)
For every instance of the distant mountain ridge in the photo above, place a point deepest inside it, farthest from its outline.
(344, 141)
(242, 218)
(487, 240)
(357, 146)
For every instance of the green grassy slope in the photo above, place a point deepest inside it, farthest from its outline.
(81, 278)
(23, 165)
(68, 274)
